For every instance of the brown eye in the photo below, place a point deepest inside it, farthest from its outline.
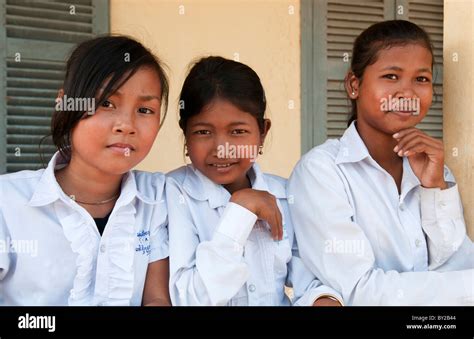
(239, 131)
(145, 110)
(423, 79)
(202, 132)
(391, 76)
(107, 104)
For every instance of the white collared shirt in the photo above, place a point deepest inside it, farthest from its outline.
(374, 246)
(221, 255)
(52, 253)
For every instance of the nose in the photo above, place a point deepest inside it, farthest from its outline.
(125, 124)
(405, 90)
(219, 142)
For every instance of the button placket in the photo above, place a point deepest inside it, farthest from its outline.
(416, 236)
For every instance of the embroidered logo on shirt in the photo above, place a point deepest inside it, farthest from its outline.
(143, 242)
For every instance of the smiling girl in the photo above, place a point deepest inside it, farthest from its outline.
(100, 228)
(231, 238)
(377, 214)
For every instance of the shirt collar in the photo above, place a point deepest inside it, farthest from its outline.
(48, 190)
(200, 187)
(352, 147)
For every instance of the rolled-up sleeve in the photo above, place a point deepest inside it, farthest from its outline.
(207, 272)
(159, 241)
(321, 211)
(306, 287)
(443, 223)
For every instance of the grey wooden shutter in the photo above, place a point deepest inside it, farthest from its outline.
(329, 28)
(37, 38)
(345, 21)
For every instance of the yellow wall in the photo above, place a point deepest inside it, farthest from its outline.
(264, 34)
(458, 99)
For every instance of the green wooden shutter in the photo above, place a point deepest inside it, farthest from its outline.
(37, 36)
(329, 28)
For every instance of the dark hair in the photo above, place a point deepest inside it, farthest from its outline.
(92, 63)
(380, 36)
(216, 77)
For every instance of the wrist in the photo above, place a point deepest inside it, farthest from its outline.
(439, 184)
(238, 197)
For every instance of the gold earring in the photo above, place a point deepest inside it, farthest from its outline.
(260, 150)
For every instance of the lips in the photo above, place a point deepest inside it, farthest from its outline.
(222, 167)
(123, 146)
(403, 114)
(121, 149)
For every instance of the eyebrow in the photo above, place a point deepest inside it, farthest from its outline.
(396, 68)
(146, 97)
(211, 125)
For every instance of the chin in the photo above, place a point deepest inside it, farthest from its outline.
(117, 169)
(221, 179)
(392, 126)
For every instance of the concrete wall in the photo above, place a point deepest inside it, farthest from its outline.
(262, 34)
(458, 99)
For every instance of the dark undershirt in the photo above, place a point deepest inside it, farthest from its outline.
(101, 222)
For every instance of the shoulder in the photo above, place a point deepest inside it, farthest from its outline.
(19, 185)
(178, 175)
(319, 158)
(149, 185)
(275, 182)
(326, 153)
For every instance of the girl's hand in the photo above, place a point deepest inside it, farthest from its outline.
(326, 301)
(425, 154)
(262, 204)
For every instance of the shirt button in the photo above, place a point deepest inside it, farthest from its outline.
(402, 207)
(102, 248)
(417, 242)
(252, 288)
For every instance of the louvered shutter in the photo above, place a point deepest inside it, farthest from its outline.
(38, 36)
(345, 21)
(329, 28)
(429, 15)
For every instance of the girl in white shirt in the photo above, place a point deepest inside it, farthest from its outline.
(231, 240)
(377, 214)
(51, 220)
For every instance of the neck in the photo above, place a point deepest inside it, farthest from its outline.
(237, 185)
(380, 146)
(87, 183)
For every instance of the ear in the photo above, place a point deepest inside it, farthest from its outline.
(267, 124)
(351, 83)
(60, 94)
